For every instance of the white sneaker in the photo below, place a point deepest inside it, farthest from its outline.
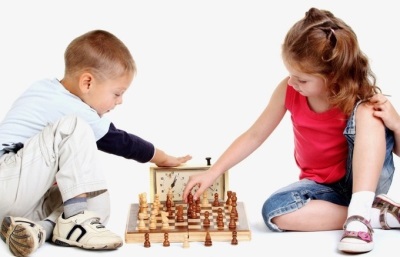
(85, 230)
(21, 235)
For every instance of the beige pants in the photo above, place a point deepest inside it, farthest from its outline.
(56, 165)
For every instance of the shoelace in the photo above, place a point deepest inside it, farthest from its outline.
(97, 221)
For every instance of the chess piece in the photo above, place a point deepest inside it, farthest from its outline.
(232, 222)
(216, 200)
(153, 222)
(157, 199)
(179, 213)
(141, 225)
(234, 238)
(146, 240)
(206, 221)
(220, 219)
(204, 200)
(166, 242)
(193, 213)
(164, 220)
(208, 241)
(198, 206)
(190, 198)
(234, 204)
(185, 241)
(229, 200)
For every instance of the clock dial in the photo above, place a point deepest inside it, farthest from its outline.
(173, 180)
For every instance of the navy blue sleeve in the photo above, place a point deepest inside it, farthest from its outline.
(124, 144)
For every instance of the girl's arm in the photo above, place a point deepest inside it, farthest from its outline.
(385, 110)
(245, 144)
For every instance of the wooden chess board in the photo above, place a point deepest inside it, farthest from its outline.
(191, 228)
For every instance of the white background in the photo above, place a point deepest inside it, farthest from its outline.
(206, 70)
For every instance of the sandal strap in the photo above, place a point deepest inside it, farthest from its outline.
(365, 236)
(386, 207)
(382, 218)
(360, 219)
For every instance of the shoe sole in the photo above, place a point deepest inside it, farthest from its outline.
(20, 241)
(69, 243)
(355, 247)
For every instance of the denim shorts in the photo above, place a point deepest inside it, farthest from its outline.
(298, 194)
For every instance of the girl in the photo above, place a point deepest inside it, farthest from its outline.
(341, 165)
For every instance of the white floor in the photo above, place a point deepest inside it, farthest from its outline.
(262, 243)
(206, 69)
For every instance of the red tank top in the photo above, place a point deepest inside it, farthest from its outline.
(320, 148)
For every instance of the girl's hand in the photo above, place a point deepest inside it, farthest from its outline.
(385, 111)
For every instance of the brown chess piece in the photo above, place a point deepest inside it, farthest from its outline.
(206, 221)
(208, 241)
(234, 238)
(216, 200)
(166, 242)
(232, 221)
(220, 219)
(179, 214)
(146, 240)
(229, 200)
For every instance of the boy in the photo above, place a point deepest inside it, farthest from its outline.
(48, 141)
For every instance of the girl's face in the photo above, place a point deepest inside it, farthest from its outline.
(306, 84)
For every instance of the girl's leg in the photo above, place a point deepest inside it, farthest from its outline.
(317, 215)
(306, 206)
(368, 158)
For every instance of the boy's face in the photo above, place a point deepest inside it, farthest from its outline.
(104, 96)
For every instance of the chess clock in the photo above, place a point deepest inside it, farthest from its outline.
(162, 179)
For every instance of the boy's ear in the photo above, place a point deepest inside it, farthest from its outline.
(85, 82)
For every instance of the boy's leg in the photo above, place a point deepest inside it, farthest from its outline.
(65, 150)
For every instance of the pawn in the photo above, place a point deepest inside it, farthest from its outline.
(186, 241)
(208, 241)
(153, 222)
(216, 200)
(166, 242)
(232, 221)
(234, 238)
(206, 221)
(229, 200)
(179, 214)
(146, 240)
(142, 224)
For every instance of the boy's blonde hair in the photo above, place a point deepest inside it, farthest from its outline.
(98, 52)
(323, 45)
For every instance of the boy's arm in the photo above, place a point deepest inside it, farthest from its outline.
(130, 146)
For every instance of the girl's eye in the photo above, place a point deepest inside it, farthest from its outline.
(302, 81)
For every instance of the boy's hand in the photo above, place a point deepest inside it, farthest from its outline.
(172, 161)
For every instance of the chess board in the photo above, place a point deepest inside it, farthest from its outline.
(191, 228)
